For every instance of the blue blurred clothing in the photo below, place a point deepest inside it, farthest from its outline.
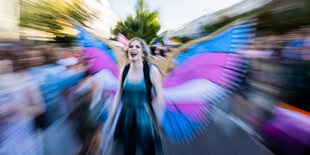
(294, 43)
(53, 79)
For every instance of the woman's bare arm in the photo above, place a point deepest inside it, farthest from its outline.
(158, 101)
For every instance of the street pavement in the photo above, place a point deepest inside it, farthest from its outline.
(222, 137)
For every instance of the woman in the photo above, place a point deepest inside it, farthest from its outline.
(136, 127)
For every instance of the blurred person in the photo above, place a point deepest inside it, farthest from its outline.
(55, 54)
(88, 120)
(74, 66)
(6, 66)
(3, 54)
(20, 102)
(294, 45)
(69, 63)
(278, 49)
(137, 126)
(68, 58)
(168, 50)
(306, 49)
(26, 58)
(162, 53)
(152, 48)
(54, 80)
(158, 53)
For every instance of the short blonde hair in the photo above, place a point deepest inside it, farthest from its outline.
(145, 48)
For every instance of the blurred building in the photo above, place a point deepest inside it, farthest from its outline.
(102, 23)
(9, 19)
(105, 18)
(194, 29)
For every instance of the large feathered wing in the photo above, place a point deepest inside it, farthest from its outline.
(205, 74)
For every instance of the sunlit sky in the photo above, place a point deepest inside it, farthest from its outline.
(173, 13)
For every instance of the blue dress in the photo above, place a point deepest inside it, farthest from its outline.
(136, 126)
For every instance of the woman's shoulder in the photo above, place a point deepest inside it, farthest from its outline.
(154, 70)
(153, 66)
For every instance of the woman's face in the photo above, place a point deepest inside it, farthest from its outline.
(135, 52)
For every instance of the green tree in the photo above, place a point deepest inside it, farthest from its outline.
(144, 25)
(53, 16)
(181, 39)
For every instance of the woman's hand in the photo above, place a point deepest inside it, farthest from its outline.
(160, 110)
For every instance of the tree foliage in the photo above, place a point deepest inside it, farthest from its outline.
(182, 39)
(291, 16)
(53, 16)
(144, 25)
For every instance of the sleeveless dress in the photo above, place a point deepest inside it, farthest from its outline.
(136, 129)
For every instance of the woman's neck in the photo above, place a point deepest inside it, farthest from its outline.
(135, 66)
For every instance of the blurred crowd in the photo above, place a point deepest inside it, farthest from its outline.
(44, 96)
(274, 97)
(159, 52)
(292, 45)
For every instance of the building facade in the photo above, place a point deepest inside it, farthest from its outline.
(9, 19)
(104, 20)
